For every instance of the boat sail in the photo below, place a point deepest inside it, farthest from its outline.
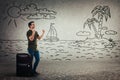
(52, 34)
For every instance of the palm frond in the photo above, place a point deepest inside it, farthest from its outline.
(95, 20)
(99, 15)
(96, 10)
(95, 13)
(89, 25)
(107, 13)
(90, 22)
(107, 10)
(106, 17)
(84, 25)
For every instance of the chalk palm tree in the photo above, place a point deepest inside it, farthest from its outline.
(90, 23)
(103, 12)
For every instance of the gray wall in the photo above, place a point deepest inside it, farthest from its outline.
(69, 18)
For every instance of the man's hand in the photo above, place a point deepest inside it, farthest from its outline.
(33, 31)
(43, 31)
(32, 36)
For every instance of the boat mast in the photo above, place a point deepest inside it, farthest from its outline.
(52, 33)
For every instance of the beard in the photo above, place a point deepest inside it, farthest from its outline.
(33, 27)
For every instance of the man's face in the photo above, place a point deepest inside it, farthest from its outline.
(32, 26)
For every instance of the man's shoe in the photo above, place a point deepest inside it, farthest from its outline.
(36, 73)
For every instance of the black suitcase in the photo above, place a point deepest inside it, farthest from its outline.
(23, 64)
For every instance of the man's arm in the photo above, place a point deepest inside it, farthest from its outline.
(31, 38)
(39, 37)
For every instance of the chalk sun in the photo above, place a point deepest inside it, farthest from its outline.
(13, 12)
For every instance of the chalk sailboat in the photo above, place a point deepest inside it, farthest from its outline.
(52, 34)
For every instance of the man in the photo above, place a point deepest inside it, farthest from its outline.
(32, 37)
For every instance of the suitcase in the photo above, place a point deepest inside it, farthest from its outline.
(23, 64)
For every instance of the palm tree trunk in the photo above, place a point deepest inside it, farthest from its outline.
(100, 27)
(95, 30)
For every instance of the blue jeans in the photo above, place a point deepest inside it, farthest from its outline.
(37, 58)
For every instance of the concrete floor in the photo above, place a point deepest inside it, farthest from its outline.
(64, 70)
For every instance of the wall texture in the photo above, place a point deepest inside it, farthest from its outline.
(68, 17)
(69, 21)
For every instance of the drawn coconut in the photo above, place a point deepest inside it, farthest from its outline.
(111, 41)
(104, 28)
